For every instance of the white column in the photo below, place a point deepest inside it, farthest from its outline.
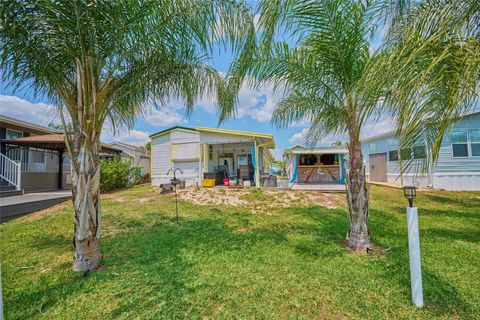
(257, 165)
(414, 254)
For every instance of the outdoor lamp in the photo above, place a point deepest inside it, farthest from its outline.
(410, 192)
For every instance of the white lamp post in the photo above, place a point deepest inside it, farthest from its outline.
(414, 248)
(1, 295)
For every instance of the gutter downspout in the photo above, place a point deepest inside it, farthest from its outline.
(257, 167)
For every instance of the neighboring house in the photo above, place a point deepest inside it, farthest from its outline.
(210, 153)
(33, 158)
(320, 165)
(457, 167)
(139, 156)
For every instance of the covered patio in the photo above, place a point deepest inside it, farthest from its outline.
(322, 166)
(44, 161)
(242, 157)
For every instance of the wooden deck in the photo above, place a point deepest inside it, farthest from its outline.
(322, 187)
(16, 206)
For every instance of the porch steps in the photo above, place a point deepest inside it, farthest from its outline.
(7, 190)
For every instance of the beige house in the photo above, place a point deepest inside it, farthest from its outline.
(33, 158)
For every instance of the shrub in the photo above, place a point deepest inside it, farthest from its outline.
(115, 173)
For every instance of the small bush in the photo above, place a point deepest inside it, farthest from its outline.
(115, 173)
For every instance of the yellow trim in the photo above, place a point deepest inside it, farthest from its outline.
(257, 165)
(167, 132)
(239, 133)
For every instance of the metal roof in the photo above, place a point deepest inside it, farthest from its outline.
(268, 137)
(316, 150)
(50, 142)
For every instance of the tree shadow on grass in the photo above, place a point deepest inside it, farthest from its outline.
(440, 296)
(465, 215)
(170, 257)
(467, 235)
(474, 202)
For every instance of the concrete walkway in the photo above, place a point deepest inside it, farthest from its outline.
(13, 207)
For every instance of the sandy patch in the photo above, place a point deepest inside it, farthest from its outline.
(259, 201)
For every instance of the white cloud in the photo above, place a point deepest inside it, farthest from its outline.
(135, 137)
(164, 117)
(257, 103)
(277, 153)
(299, 137)
(38, 113)
(376, 127)
(326, 141)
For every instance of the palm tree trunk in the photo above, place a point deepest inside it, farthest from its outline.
(86, 203)
(358, 237)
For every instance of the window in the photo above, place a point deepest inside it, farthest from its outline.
(393, 155)
(459, 143)
(372, 148)
(38, 156)
(419, 152)
(13, 134)
(474, 135)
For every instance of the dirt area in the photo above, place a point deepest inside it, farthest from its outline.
(49, 211)
(259, 199)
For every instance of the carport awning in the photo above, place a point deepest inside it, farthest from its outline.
(55, 142)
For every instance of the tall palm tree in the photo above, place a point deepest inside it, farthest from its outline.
(323, 76)
(432, 57)
(101, 61)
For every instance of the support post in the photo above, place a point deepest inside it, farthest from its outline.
(414, 255)
(60, 170)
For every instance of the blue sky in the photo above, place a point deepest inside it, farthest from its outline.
(254, 112)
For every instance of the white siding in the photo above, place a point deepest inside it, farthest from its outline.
(190, 172)
(160, 159)
(217, 138)
(181, 136)
(190, 167)
(467, 181)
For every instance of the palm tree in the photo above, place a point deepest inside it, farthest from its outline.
(432, 57)
(104, 61)
(323, 77)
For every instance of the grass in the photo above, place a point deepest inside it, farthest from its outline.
(227, 262)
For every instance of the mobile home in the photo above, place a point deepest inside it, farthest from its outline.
(210, 153)
(457, 167)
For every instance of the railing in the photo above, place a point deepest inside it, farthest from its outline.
(10, 171)
(35, 160)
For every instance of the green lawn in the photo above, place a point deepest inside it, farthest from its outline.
(227, 262)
